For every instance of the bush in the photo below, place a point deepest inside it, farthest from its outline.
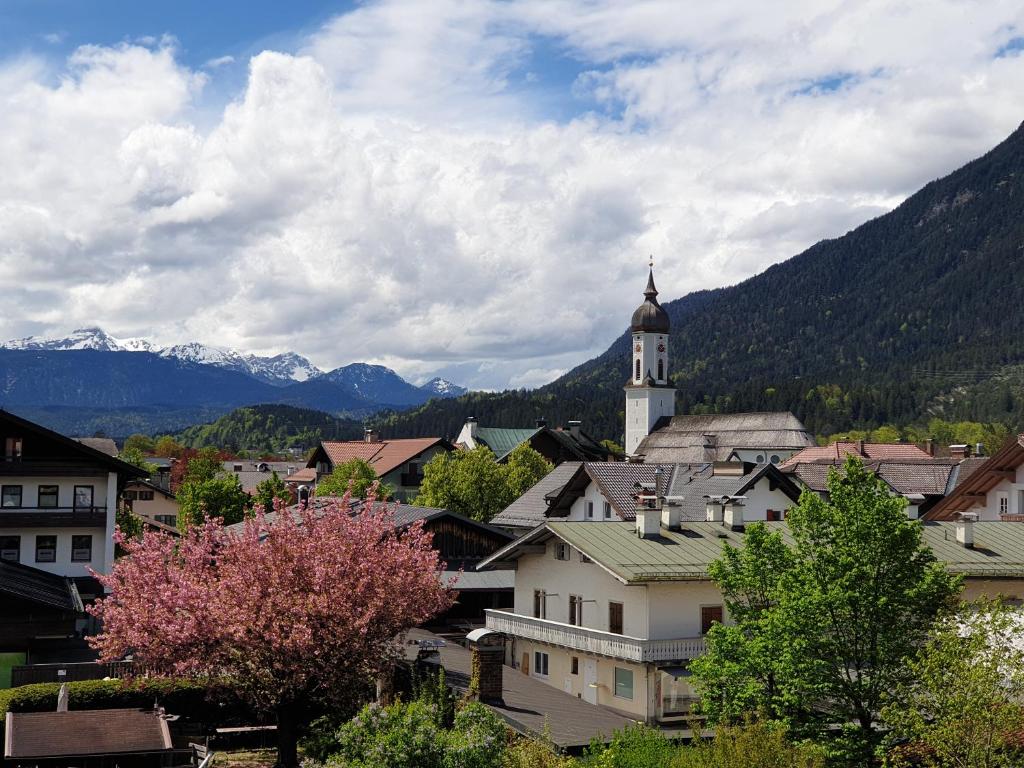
(534, 753)
(761, 744)
(634, 747)
(193, 700)
(397, 736)
(477, 739)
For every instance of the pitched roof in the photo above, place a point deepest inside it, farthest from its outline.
(384, 455)
(1002, 465)
(304, 475)
(685, 555)
(529, 509)
(41, 587)
(683, 439)
(150, 485)
(101, 444)
(80, 733)
(838, 451)
(502, 441)
(929, 477)
(690, 490)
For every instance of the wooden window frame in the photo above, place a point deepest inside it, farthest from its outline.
(612, 606)
(3, 496)
(38, 548)
(76, 549)
(707, 619)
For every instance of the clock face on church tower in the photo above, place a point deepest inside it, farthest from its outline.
(661, 347)
(638, 348)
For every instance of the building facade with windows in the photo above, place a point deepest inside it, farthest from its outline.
(614, 613)
(151, 502)
(58, 501)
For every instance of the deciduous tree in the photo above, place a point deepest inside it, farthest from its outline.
(217, 497)
(269, 490)
(357, 472)
(305, 607)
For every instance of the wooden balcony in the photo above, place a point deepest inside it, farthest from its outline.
(594, 640)
(53, 517)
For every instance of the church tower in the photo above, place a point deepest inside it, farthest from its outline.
(650, 395)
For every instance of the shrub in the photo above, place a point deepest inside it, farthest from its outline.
(397, 736)
(476, 740)
(533, 753)
(761, 744)
(634, 747)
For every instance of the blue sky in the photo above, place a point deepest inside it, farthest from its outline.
(455, 187)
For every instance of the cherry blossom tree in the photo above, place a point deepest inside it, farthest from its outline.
(293, 608)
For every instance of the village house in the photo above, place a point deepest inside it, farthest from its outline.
(151, 502)
(556, 445)
(251, 473)
(614, 613)
(989, 489)
(398, 463)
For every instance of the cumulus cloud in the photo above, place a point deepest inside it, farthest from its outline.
(398, 188)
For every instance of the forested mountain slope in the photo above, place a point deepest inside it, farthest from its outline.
(915, 313)
(271, 429)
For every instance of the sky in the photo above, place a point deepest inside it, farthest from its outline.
(470, 189)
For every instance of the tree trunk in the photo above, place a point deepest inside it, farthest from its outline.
(287, 737)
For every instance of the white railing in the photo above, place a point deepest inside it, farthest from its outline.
(594, 640)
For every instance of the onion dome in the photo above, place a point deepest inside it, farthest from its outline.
(650, 317)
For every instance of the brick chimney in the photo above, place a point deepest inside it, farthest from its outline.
(487, 659)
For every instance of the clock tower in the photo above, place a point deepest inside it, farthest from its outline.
(650, 395)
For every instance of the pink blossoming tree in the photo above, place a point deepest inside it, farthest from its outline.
(300, 608)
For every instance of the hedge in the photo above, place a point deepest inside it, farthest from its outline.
(192, 700)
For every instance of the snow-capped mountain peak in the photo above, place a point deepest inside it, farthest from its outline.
(82, 338)
(443, 388)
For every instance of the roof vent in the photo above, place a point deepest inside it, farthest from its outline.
(733, 514)
(965, 529)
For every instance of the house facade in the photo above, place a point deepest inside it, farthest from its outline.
(557, 445)
(398, 463)
(614, 613)
(151, 502)
(991, 489)
(58, 500)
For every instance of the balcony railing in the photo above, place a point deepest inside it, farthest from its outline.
(594, 640)
(53, 517)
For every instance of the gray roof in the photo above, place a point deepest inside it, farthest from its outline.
(683, 439)
(528, 510)
(103, 444)
(685, 555)
(85, 732)
(468, 581)
(690, 489)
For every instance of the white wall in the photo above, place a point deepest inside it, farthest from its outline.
(1012, 490)
(66, 489)
(761, 498)
(63, 565)
(761, 455)
(578, 510)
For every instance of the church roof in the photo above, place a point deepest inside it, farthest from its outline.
(713, 437)
(650, 317)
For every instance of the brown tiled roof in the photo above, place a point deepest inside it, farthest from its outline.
(305, 475)
(85, 732)
(929, 477)
(384, 455)
(838, 451)
(968, 467)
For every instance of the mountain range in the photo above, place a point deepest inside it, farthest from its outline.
(91, 381)
(911, 316)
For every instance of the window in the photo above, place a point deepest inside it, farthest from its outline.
(575, 610)
(131, 495)
(81, 549)
(167, 519)
(615, 618)
(12, 448)
(774, 515)
(775, 458)
(414, 468)
(562, 551)
(236, 467)
(10, 496)
(607, 511)
(46, 549)
(623, 683)
(1004, 503)
(661, 369)
(590, 510)
(709, 614)
(574, 667)
(10, 548)
(540, 663)
(83, 497)
(539, 611)
(145, 495)
(48, 496)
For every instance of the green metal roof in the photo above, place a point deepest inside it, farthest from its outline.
(503, 441)
(685, 555)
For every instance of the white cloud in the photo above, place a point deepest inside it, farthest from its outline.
(397, 189)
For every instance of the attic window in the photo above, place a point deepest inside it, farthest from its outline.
(561, 551)
(13, 449)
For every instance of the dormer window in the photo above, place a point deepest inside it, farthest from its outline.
(12, 451)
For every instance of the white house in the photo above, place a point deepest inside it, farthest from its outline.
(614, 613)
(990, 489)
(58, 499)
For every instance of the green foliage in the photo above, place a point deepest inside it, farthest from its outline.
(963, 701)
(944, 433)
(834, 623)
(362, 476)
(198, 701)
(743, 670)
(764, 745)
(130, 525)
(474, 484)
(142, 443)
(265, 429)
(168, 447)
(268, 490)
(135, 457)
(204, 465)
(221, 497)
(614, 447)
(637, 746)
(534, 753)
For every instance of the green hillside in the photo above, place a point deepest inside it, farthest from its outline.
(270, 429)
(911, 315)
